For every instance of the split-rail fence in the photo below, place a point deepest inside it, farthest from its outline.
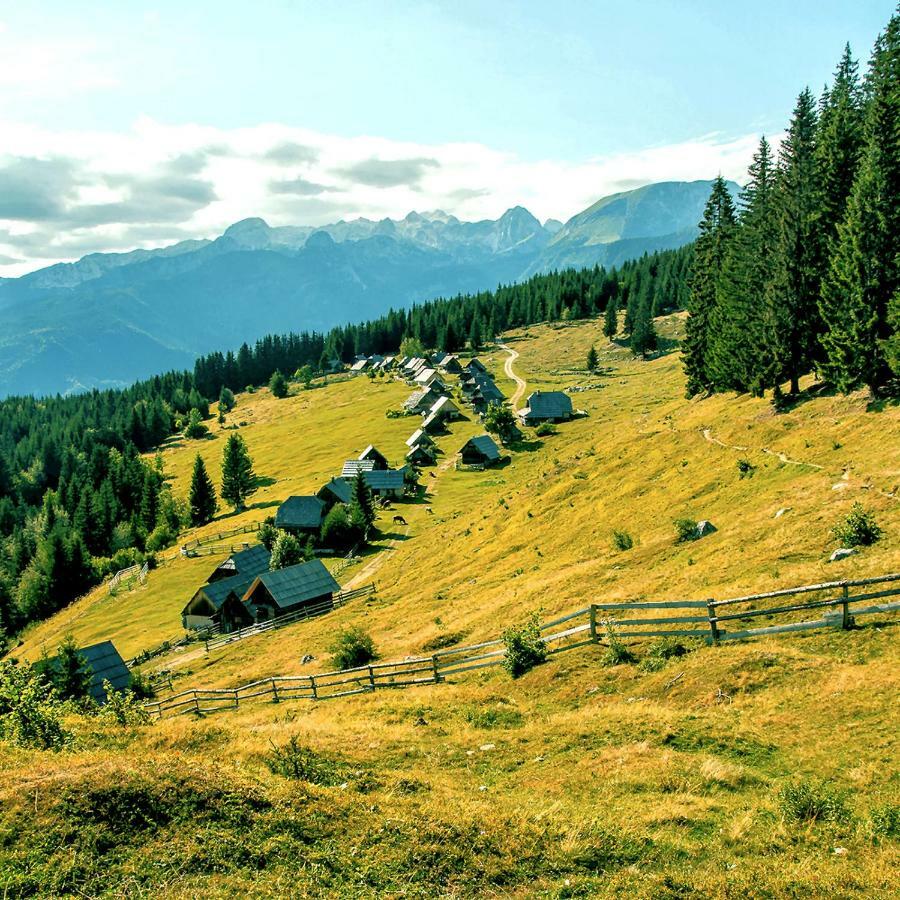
(835, 604)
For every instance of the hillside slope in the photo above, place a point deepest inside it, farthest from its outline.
(577, 780)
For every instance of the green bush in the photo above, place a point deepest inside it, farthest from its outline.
(278, 385)
(294, 760)
(685, 530)
(545, 429)
(616, 652)
(661, 651)
(745, 468)
(884, 821)
(811, 801)
(442, 641)
(30, 712)
(859, 529)
(160, 538)
(352, 647)
(524, 647)
(124, 707)
(622, 540)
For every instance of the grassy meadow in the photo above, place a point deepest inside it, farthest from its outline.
(764, 768)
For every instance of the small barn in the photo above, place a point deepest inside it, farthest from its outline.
(433, 424)
(421, 400)
(385, 483)
(480, 451)
(301, 515)
(419, 437)
(104, 663)
(547, 406)
(420, 455)
(445, 408)
(475, 366)
(307, 585)
(489, 390)
(335, 491)
(249, 563)
(219, 604)
(376, 456)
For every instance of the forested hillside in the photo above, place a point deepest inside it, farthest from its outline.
(77, 502)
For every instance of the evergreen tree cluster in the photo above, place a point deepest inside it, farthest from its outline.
(804, 276)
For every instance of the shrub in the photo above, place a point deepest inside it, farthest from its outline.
(287, 551)
(161, 537)
(616, 653)
(278, 385)
(193, 426)
(884, 821)
(685, 530)
(267, 535)
(745, 468)
(811, 801)
(337, 531)
(141, 687)
(352, 647)
(524, 647)
(30, 713)
(545, 429)
(293, 760)
(442, 641)
(622, 540)
(661, 651)
(124, 707)
(859, 529)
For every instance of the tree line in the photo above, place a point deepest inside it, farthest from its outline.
(804, 275)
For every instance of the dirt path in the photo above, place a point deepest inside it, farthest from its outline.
(521, 385)
(364, 575)
(707, 433)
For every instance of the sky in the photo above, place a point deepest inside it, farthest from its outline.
(139, 124)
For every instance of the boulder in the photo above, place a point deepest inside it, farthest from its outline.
(842, 553)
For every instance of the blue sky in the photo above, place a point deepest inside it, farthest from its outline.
(548, 104)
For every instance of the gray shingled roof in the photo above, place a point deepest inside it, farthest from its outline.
(105, 664)
(489, 389)
(475, 365)
(293, 585)
(217, 592)
(549, 405)
(300, 512)
(249, 562)
(338, 487)
(384, 480)
(485, 445)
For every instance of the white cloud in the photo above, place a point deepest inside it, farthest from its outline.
(157, 183)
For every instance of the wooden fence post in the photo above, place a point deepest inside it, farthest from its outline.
(274, 690)
(312, 684)
(235, 698)
(434, 665)
(846, 621)
(713, 625)
(371, 678)
(592, 615)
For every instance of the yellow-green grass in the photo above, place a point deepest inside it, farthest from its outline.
(578, 779)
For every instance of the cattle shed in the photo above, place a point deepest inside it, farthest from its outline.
(337, 490)
(480, 451)
(547, 406)
(104, 663)
(301, 515)
(288, 590)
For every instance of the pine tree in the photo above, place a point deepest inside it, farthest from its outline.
(238, 479)
(863, 279)
(362, 504)
(69, 673)
(741, 321)
(644, 339)
(475, 335)
(796, 283)
(611, 317)
(710, 250)
(202, 497)
(592, 359)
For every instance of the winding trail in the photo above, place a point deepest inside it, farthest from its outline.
(521, 384)
(707, 433)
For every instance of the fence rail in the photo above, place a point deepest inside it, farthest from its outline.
(216, 538)
(582, 627)
(213, 642)
(128, 576)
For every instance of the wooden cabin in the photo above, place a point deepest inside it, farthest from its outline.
(376, 456)
(420, 455)
(335, 491)
(480, 451)
(308, 585)
(219, 603)
(445, 409)
(249, 562)
(419, 437)
(301, 515)
(547, 406)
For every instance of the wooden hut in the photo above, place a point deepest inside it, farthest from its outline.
(480, 451)
(307, 585)
(301, 515)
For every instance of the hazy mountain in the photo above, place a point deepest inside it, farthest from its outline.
(111, 318)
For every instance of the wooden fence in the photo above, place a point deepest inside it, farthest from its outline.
(127, 577)
(213, 642)
(193, 548)
(593, 624)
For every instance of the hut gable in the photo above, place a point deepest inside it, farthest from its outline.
(475, 365)
(489, 391)
(419, 437)
(249, 563)
(444, 407)
(289, 589)
(420, 455)
(548, 406)
(480, 451)
(300, 514)
(376, 456)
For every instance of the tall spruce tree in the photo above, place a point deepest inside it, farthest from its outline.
(202, 497)
(611, 317)
(795, 287)
(362, 504)
(710, 250)
(741, 321)
(238, 479)
(644, 339)
(863, 279)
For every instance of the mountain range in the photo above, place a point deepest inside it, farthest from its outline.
(111, 318)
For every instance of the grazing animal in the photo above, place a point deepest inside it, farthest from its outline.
(429, 510)
(432, 475)
(307, 659)
(399, 520)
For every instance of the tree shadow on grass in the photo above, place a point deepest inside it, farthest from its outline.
(264, 481)
(525, 446)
